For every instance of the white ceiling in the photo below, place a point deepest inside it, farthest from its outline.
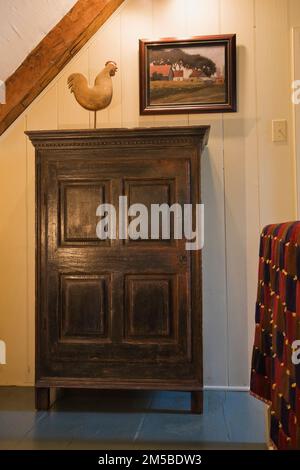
(23, 24)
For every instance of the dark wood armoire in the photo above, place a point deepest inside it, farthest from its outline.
(120, 313)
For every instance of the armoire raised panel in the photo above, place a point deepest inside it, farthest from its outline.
(117, 313)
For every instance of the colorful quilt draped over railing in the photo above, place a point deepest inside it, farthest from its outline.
(275, 375)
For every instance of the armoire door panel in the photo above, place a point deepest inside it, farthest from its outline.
(84, 308)
(151, 308)
(154, 191)
(78, 202)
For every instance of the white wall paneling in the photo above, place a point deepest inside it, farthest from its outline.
(204, 18)
(296, 129)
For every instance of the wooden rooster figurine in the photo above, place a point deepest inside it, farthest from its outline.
(97, 97)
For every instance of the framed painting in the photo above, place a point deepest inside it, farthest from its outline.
(194, 75)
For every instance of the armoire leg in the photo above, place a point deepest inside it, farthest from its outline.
(197, 402)
(42, 398)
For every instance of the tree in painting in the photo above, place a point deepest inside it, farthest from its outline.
(177, 58)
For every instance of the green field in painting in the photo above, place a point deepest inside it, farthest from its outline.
(185, 92)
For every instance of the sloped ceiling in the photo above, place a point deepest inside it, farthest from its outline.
(50, 55)
(23, 24)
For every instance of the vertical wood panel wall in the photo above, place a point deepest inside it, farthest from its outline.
(248, 181)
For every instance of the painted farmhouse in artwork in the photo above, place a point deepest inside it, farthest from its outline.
(178, 72)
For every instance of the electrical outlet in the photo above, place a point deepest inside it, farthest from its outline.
(279, 130)
(2, 352)
(2, 92)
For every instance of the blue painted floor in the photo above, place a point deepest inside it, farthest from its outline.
(92, 419)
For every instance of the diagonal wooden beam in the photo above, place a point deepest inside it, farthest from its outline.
(52, 54)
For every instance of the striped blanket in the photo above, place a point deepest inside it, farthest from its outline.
(275, 375)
